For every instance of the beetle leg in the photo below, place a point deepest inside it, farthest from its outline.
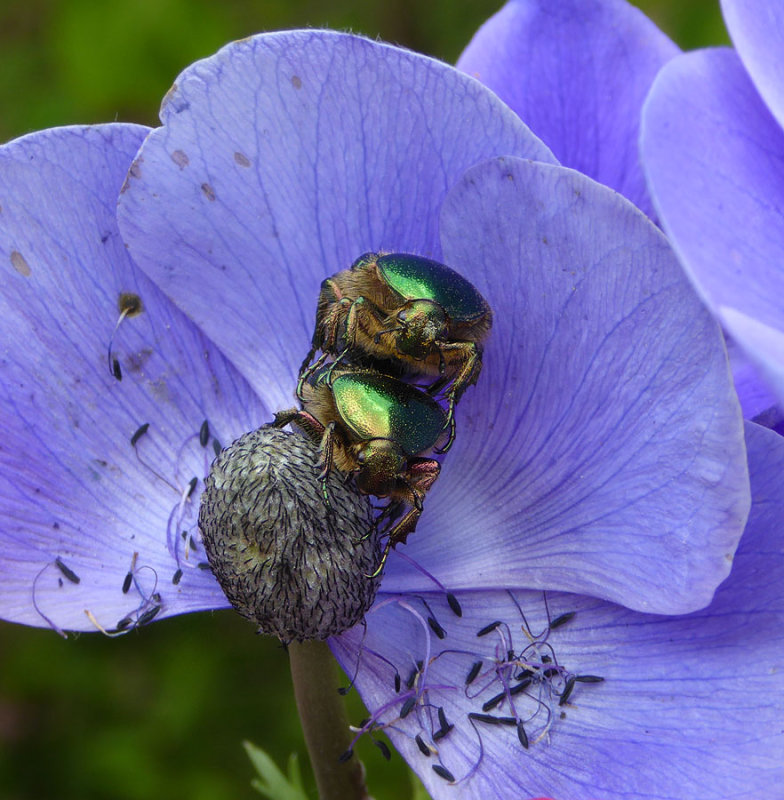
(327, 458)
(305, 374)
(307, 423)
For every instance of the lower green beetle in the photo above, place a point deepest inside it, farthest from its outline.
(405, 315)
(377, 428)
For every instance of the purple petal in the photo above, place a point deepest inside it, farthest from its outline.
(690, 707)
(757, 31)
(714, 158)
(77, 499)
(285, 157)
(577, 72)
(602, 450)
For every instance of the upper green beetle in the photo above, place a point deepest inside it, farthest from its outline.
(405, 315)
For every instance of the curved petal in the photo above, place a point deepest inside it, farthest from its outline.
(702, 694)
(577, 72)
(714, 159)
(282, 159)
(757, 31)
(77, 499)
(602, 450)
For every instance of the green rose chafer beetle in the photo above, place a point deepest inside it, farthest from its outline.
(405, 315)
(376, 428)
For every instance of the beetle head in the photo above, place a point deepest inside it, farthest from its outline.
(381, 462)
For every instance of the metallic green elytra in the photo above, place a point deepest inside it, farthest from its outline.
(376, 428)
(406, 316)
(375, 406)
(417, 278)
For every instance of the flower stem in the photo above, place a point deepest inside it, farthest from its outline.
(324, 722)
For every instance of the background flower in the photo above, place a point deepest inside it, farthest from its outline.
(577, 72)
(713, 148)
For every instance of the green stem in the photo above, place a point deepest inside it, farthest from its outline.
(324, 722)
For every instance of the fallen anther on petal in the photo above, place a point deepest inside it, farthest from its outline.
(562, 619)
(589, 678)
(68, 573)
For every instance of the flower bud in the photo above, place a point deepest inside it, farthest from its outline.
(287, 559)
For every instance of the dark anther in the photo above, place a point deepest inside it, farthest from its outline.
(520, 687)
(493, 701)
(407, 706)
(150, 615)
(116, 369)
(67, 571)
(562, 620)
(204, 433)
(140, 431)
(397, 681)
(473, 672)
(489, 628)
(522, 735)
(216, 447)
(436, 628)
(127, 583)
(123, 623)
(383, 748)
(442, 718)
(192, 485)
(439, 734)
(488, 718)
(177, 577)
(423, 748)
(589, 678)
(443, 772)
(346, 756)
(566, 694)
(454, 605)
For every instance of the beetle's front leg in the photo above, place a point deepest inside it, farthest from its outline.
(307, 423)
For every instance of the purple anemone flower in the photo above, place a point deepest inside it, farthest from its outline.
(713, 150)
(600, 455)
(577, 72)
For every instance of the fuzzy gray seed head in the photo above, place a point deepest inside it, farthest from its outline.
(285, 560)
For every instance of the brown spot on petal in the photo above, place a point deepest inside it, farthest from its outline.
(19, 263)
(209, 192)
(242, 159)
(180, 158)
(296, 81)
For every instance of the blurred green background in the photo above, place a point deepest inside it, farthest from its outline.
(162, 712)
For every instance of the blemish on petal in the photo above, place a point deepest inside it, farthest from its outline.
(209, 192)
(242, 159)
(296, 81)
(180, 158)
(19, 263)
